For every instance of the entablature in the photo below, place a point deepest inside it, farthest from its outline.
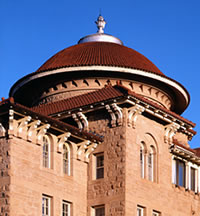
(185, 153)
(32, 127)
(136, 106)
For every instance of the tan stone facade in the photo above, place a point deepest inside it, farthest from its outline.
(97, 131)
(24, 179)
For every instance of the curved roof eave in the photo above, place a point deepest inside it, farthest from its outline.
(163, 79)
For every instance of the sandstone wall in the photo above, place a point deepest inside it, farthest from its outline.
(4, 177)
(30, 180)
(122, 189)
(160, 195)
(111, 189)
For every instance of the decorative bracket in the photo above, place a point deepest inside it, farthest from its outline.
(116, 114)
(11, 120)
(77, 120)
(31, 127)
(113, 117)
(81, 120)
(22, 124)
(41, 132)
(2, 130)
(81, 148)
(89, 150)
(61, 139)
(84, 149)
(133, 114)
(170, 131)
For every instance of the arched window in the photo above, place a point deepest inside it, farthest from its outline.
(66, 159)
(148, 158)
(151, 164)
(46, 152)
(142, 160)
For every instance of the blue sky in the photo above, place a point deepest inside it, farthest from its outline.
(167, 32)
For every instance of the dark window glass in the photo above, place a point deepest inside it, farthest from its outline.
(192, 179)
(100, 166)
(65, 209)
(100, 211)
(142, 162)
(65, 160)
(180, 173)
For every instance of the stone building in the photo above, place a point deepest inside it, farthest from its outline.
(97, 130)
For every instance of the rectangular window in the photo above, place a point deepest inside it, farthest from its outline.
(46, 152)
(193, 179)
(46, 205)
(99, 166)
(150, 166)
(99, 211)
(155, 213)
(180, 173)
(140, 211)
(66, 159)
(142, 162)
(66, 208)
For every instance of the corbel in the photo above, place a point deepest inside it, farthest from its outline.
(41, 132)
(83, 119)
(90, 149)
(170, 131)
(118, 112)
(113, 117)
(2, 130)
(11, 121)
(133, 115)
(21, 125)
(81, 147)
(61, 139)
(31, 127)
(77, 120)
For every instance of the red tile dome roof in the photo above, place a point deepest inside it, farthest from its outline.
(99, 54)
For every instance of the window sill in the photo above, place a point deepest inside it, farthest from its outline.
(98, 180)
(151, 182)
(65, 176)
(46, 169)
(186, 190)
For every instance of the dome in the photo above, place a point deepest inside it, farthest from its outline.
(100, 54)
(98, 59)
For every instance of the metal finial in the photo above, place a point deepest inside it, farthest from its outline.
(100, 24)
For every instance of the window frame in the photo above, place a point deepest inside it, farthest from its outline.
(46, 154)
(47, 205)
(95, 208)
(155, 213)
(68, 204)
(140, 210)
(192, 179)
(187, 174)
(99, 168)
(66, 162)
(142, 160)
(193, 186)
(151, 165)
(176, 172)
